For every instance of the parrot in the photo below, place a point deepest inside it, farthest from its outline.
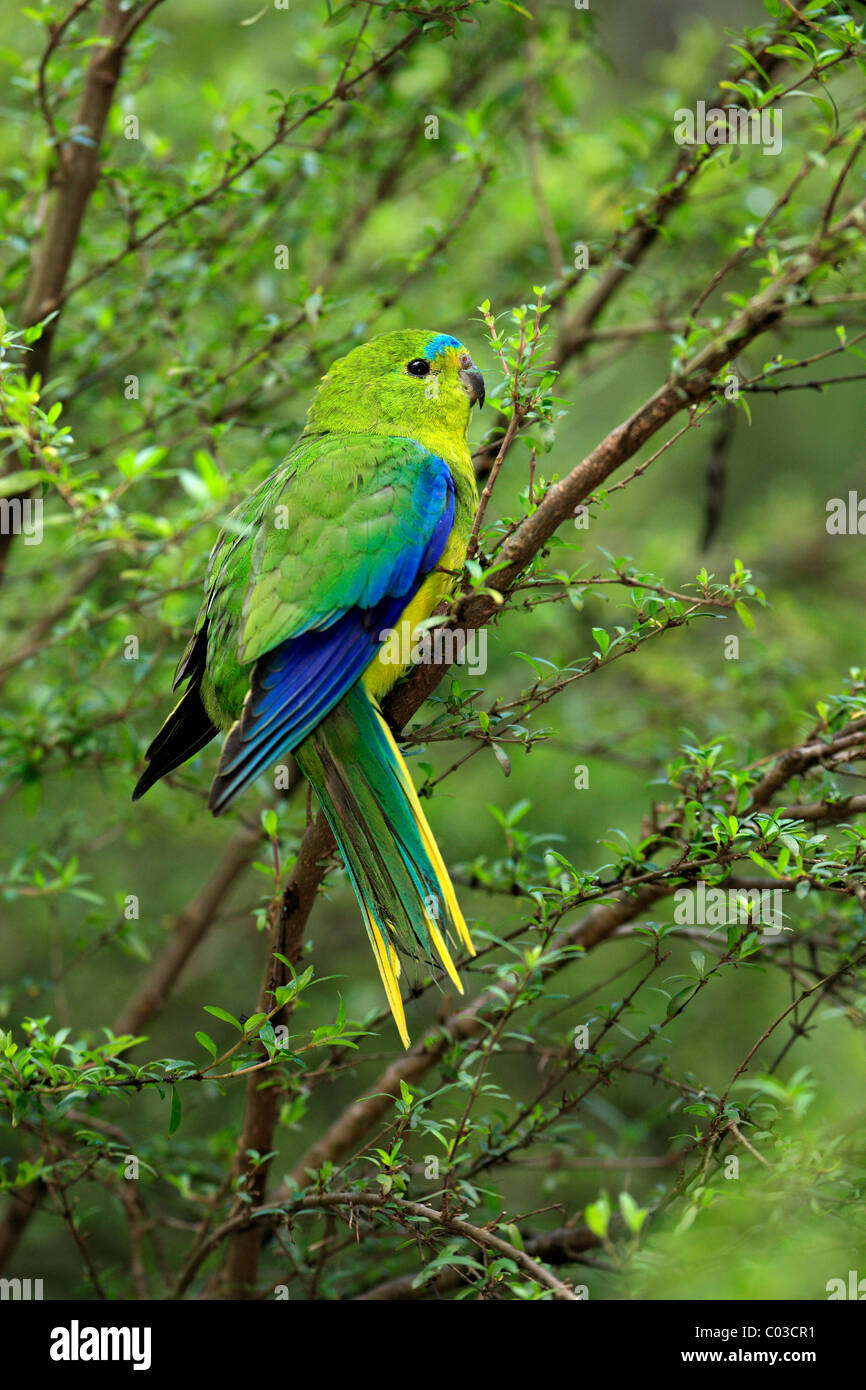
(361, 529)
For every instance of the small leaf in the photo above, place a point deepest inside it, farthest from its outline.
(597, 1217)
(21, 481)
(502, 758)
(221, 1013)
(207, 1043)
(744, 616)
(633, 1215)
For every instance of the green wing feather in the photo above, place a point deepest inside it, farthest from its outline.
(341, 522)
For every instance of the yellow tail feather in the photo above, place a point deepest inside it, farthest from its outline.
(389, 969)
(433, 850)
(444, 954)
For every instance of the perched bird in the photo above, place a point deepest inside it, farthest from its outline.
(363, 527)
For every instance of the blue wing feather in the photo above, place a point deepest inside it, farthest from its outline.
(296, 684)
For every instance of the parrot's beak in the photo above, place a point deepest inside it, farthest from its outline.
(473, 384)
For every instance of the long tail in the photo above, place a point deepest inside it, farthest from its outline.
(393, 862)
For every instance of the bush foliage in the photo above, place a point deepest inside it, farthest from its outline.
(646, 780)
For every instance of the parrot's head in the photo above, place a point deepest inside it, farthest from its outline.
(413, 384)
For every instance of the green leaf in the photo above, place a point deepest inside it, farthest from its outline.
(679, 999)
(597, 1217)
(22, 481)
(514, 1236)
(207, 1043)
(744, 616)
(221, 1013)
(633, 1215)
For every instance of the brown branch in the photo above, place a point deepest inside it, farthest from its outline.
(326, 1201)
(75, 178)
(60, 1197)
(811, 753)
(288, 920)
(826, 811)
(73, 181)
(55, 36)
(560, 1247)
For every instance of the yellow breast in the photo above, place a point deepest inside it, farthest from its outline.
(387, 667)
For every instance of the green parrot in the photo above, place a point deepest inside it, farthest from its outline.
(362, 528)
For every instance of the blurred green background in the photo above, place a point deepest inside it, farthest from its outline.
(580, 105)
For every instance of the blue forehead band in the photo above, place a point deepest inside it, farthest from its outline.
(439, 344)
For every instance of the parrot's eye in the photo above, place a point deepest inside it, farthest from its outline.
(418, 367)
